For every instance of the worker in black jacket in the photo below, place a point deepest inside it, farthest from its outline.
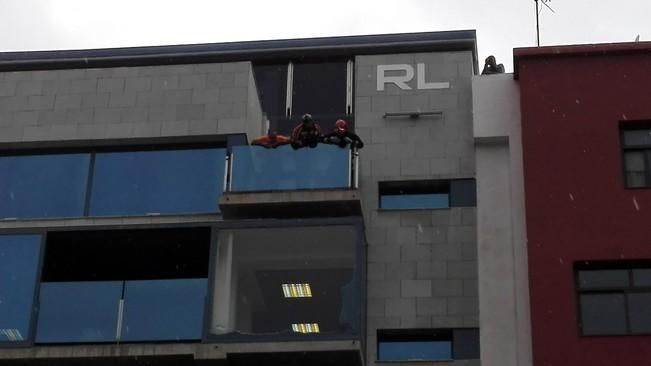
(342, 136)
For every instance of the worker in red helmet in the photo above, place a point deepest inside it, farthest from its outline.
(342, 136)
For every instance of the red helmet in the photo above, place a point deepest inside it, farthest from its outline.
(341, 126)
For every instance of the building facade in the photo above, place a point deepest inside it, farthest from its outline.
(585, 132)
(139, 226)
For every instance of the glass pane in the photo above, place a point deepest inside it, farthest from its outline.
(415, 201)
(171, 181)
(279, 282)
(162, 310)
(637, 137)
(603, 314)
(603, 278)
(634, 167)
(415, 351)
(19, 258)
(639, 312)
(319, 88)
(43, 185)
(466, 343)
(78, 312)
(259, 169)
(642, 277)
(271, 81)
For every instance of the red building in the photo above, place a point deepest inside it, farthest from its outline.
(586, 136)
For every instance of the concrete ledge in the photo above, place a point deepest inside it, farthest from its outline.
(176, 353)
(288, 204)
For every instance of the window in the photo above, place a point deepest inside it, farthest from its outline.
(162, 182)
(123, 285)
(43, 185)
(427, 344)
(286, 283)
(427, 194)
(91, 183)
(614, 298)
(19, 259)
(636, 145)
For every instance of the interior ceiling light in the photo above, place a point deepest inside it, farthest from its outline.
(297, 290)
(306, 328)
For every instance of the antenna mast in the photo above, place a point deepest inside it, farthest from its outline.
(538, 10)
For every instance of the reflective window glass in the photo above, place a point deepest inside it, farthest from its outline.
(415, 201)
(603, 278)
(163, 309)
(415, 351)
(165, 182)
(639, 307)
(286, 283)
(642, 277)
(78, 312)
(259, 169)
(603, 314)
(19, 258)
(43, 185)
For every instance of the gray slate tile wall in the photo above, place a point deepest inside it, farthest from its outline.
(126, 102)
(422, 264)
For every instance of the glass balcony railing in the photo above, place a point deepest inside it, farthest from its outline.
(117, 311)
(254, 168)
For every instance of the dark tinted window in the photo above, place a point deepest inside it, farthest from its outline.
(168, 181)
(43, 185)
(614, 297)
(319, 88)
(271, 81)
(19, 258)
(636, 145)
(603, 314)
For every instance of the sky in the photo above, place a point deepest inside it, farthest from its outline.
(501, 25)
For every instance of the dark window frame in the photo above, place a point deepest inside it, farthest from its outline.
(629, 267)
(645, 149)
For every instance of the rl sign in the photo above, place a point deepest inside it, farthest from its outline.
(406, 75)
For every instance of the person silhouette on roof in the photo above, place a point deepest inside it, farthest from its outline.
(342, 136)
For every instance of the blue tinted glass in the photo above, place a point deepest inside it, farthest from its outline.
(18, 267)
(174, 181)
(258, 169)
(405, 351)
(43, 185)
(77, 312)
(407, 201)
(163, 309)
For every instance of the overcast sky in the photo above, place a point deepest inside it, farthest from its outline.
(501, 24)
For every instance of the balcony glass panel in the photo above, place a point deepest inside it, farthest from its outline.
(43, 185)
(78, 312)
(415, 351)
(286, 283)
(165, 182)
(163, 310)
(19, 258)
(258, 169)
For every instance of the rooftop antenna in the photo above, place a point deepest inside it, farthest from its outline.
(538, 10)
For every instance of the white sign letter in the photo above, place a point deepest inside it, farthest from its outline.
(399, 81)
(422, 84)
